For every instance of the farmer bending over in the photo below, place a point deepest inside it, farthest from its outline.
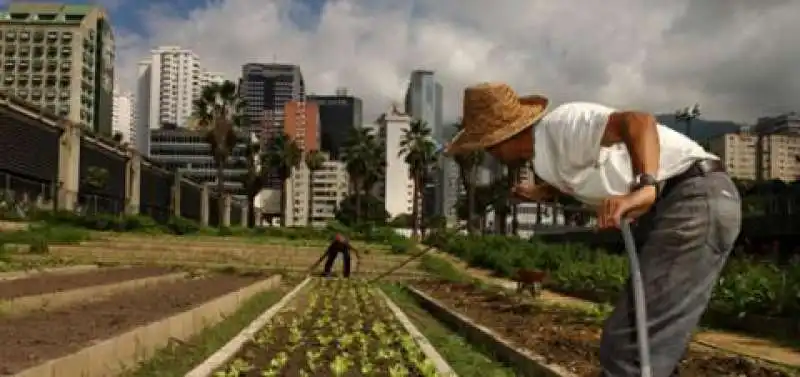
(340, 244)
(687, 210)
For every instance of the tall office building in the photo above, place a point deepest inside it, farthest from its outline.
(397, 188)
(338, 114)
(60, 57)
(167, 84)
(424, 103)
(122, 116)
(266, 89)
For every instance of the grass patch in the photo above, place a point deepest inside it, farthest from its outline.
(178, 358)
(444, 269)
(468, 360)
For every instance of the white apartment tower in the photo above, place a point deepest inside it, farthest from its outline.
(208, 78)
(167, 84)
(398, 187)
(122, 116)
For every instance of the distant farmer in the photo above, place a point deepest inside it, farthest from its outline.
(340, 244)
(624, 164)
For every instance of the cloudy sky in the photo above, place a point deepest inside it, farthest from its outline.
(738, 58)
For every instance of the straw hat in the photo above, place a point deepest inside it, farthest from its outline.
(493, 113)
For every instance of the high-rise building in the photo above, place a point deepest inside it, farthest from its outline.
(397, 188)
(301, 123)
(170, 80)
(60, 57)
(780, 156)
(122, 115)
(167, 84)
(266, 89)
(338, 115)
(424, 103)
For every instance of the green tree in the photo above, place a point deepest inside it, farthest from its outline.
(418, 151)
(364, 158)
(314, 161)
(282, 155)
(218, 112)
(372, 211)
(468, 164)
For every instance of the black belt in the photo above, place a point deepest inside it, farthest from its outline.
(699, 168)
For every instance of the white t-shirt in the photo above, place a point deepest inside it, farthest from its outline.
(568, 154)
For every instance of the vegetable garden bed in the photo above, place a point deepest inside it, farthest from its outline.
(746, 288)
(41, 336)
(567, 337)
(338, 327)
(51, 282)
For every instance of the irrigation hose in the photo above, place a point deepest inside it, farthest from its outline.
(638, 299)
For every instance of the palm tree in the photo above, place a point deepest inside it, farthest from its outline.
(417, 148)
(362, 158)
(314, 160)
(218, 112)
(254, 178)
(468, 165)
(282, 155)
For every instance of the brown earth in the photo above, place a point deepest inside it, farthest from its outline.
(742, 344)
(41, 336)
(51, 282)
(567, 337)
(289, 259)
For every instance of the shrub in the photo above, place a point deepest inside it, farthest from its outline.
(181, 225)
(746, 287)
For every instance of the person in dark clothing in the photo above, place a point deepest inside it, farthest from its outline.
(340, 244)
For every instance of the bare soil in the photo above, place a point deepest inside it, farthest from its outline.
(41, 336)
(565, 336)
(51, 282)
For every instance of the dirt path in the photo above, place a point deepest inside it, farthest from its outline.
(737, 343)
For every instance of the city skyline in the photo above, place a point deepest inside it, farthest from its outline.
(658, 66)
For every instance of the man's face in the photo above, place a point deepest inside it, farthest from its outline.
(517, 148)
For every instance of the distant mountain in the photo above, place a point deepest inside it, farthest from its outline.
(701, 129)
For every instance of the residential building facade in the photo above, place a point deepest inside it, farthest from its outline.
(397, 188)
(330, 185)
(60, 57)
(167, 84)
(122, 116)
(301, 123)
(780, 155)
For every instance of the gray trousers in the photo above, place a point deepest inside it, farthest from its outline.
(683, 243)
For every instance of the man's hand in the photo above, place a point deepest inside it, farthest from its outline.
(633, 205)
(532, 193)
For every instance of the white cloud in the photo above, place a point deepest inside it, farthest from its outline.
(736, 57)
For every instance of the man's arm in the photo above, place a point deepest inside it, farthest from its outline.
(638, 132)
